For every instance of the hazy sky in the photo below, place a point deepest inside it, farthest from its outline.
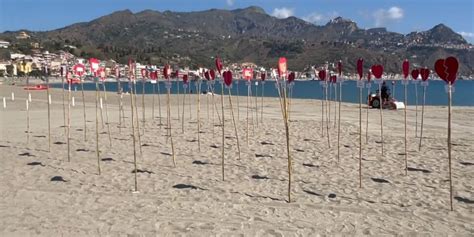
(401, 16)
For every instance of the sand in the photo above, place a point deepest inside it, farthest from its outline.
(192, 200)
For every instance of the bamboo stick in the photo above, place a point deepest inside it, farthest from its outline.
(422, 117)
(84, 108)
(107, 113)
(97, 124)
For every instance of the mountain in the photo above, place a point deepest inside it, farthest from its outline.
(249, 34)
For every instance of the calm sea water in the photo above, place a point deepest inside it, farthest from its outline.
(435, 92)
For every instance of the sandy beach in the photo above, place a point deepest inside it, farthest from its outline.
(42, 194)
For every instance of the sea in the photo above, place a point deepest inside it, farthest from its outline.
(436, 92)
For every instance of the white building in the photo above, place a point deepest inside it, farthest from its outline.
(4, 44)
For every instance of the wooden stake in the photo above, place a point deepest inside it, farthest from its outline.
(198, 85)
(143, 106)
(159, 101)
(138, 119)
(416, 108)
(322, 110)
(261, 107)
(328, 116)
(119, 96)
(97, 124)
(64, 106)
(238, 99)
(256, 103)
(132, 102)
(107, 113)
(177, 98)
(48, 101)
(69, 123)
(449, 144)
(381, 114)
(248, 97)
(84, 108)
(223, 129)
(360, 137)
(153, 101)
(405, 111)
(367, 119)
(287, 130)
(233, 120)
(27, 123)
(169, 123)
(339, 123)
(184, 99)
(207, 100)
(422, 117)
(335, 103)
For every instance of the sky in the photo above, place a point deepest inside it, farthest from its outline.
(403, 16)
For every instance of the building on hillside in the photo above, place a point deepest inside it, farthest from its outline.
(4, 44)
(23, 35)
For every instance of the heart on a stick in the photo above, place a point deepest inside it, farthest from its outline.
(425, 73)
(415, 73)
(447, 69)
(360, 67)
(405, 68)
(322, 75)
(377, 71)
(228, 78)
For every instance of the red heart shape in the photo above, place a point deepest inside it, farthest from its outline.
(291, 77)
(185, 79)
(206, 75)
(263, 75)
(377, 70)
(360, 67)
(405, 68)
(228, 78)
(282, 67)
(369, 76)
(333, 78)
(440, 69)
(166, 71)
(452, 65)
(218, 64)
(415, 73)
(425, 73)
(322, 75)
(339, 68)
(212, 73)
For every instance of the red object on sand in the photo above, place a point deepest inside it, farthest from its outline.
(185, 79)
(36, 88)
(291, 77)
(247, 73)
(263, 75)
(228, 78)
(212, 73)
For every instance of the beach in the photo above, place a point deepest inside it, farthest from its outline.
(43, 194)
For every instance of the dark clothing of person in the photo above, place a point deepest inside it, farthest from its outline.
(385, 94)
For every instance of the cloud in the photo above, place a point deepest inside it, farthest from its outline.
(467, 34)
(318, 18)
(230, 2)
(283, 12)
(383, 16)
